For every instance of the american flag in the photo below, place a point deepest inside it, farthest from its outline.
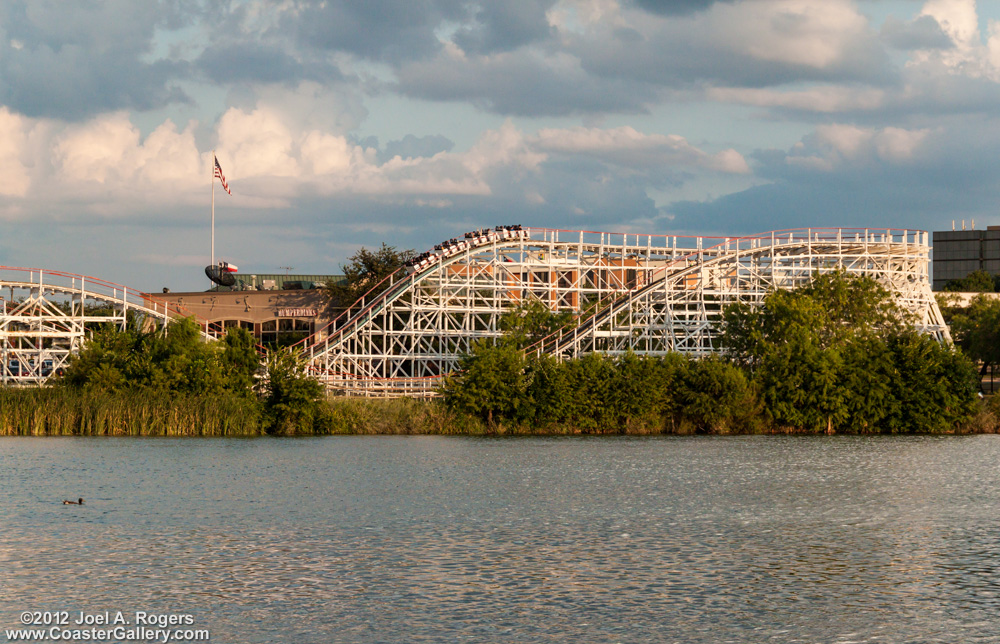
(221, 177)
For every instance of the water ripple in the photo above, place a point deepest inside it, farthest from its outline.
(421, 539)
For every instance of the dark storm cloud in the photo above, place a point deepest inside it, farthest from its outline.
(522, 84)
(389, 30)
(72, 59)
(922, 33)
(626, 70)
(676, 7)
(503, 26)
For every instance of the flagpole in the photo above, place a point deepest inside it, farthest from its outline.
(213, 207)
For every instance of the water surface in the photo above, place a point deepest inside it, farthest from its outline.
(441, 539)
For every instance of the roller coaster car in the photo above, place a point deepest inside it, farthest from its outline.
(222, 273)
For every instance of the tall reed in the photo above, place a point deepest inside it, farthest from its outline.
(142, 412)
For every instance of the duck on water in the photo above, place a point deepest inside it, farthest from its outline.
(77, 502)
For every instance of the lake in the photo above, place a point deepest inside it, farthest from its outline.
(450, 539)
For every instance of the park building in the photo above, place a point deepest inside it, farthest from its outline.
(957, 253)
(277, 309)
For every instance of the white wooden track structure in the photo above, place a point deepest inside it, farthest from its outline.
(46, 316)
(649, 294)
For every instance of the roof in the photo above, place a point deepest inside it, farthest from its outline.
(278, 282)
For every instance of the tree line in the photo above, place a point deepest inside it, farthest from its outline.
(836, 356)
(137, 377)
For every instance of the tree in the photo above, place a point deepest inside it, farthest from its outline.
(290, 395)
(716, 395)
(935, 384)
(240, 361)
(839, 354)
(364, 271)
(977, 330)
(975, 282)
(548, 389)
(491, 383)
(592, 403)
(176, 359)
(530, 321)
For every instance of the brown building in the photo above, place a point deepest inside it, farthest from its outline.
(276, 309)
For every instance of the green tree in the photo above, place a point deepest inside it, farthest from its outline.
(176, 359)
(291, 396)
(868, 381)
(592, 404)
(977, 330)
(240, 361)
(633, 392)
(548, 389)
(530, 321)
(975, 282)
(716, 396)
(365, 270)
(935, 384)
(839, 355)
(491, 383)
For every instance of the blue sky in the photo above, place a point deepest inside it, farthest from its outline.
(343, 124)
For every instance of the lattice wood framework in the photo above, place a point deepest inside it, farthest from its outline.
(648, 294)
(45, 317)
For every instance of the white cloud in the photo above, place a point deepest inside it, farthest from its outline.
(837, 145)
(628, 147)
(969, 56)
(899, 145)
(14, 177)
(98, 151)
(581, 15)
(825, 99)
(958, 19)
(799, 32)
(256, 143)
(503, 147)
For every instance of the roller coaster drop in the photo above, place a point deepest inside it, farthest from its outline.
(649, 294)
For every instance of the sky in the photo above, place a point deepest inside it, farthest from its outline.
(347, 124)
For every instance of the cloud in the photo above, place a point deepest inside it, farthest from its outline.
(751, 44)
(524, 82)
(504, 26)
(836, 145)
(967, 55)
(14, 176)
(411, 146)
(676, 7)
(843, 175)
(923, 32)
(626, 147)
(248, 61)
(74, 60)
(823, 99)
(385, 30)
(597, 57)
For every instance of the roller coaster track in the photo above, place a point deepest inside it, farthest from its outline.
(46, 316)
(647, 294)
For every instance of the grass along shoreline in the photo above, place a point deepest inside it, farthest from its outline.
(65, 412)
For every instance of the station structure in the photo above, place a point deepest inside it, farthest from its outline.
(640, 293)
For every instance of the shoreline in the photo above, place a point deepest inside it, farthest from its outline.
(58, 412)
